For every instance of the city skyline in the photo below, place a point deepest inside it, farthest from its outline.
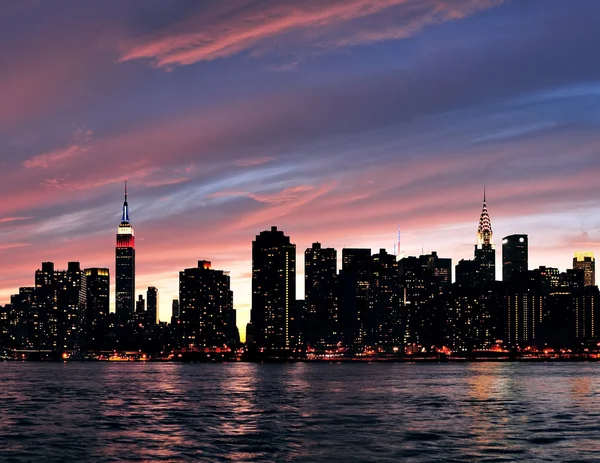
(484, 236)
(340, 139)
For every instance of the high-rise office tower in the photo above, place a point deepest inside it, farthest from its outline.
(273, 291)
(152, 305)
(354, 295)
(58, 307)
(524, 306)
(205, 305)
(515, 256)
(125, 268)
(70, 295)
(174, 310)
(585, 261)
(485, 251)
(437, 271)
(384, 324)
(97, 301)
(322, 321)
(140, 310)
(23, 318)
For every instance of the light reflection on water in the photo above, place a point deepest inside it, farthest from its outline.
(299, 412)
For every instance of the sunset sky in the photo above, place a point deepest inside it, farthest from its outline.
(336, 120)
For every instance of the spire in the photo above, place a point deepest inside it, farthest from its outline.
(125, 216)
(484, 231)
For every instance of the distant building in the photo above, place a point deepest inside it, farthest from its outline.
(384, 324)
(205, 305)
(125, 268)
(53, 314)
(320, 275)
(97, 301)
(515, 256)
(437, 271)
(485, 251)
(354, 295)
(273, 291)
(175, 310)
(524, 305)
(152, 306)
(140, 311)
(468, 272)
(585, 261)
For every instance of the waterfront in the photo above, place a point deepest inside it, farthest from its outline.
(299, 412)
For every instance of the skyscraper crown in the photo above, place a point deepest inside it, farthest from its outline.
(484, 231)
(125, 215)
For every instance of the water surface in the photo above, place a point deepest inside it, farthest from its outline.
(488, 412)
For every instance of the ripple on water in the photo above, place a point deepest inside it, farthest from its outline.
(298, 412)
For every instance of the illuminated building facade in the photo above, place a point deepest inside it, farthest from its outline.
(585, 261)
(205, 307)
(515, 256)
(125, 268)
(322, 328)
(485, 251)
(70, 296)
(97, 302)
(525, 306)
(273, 291)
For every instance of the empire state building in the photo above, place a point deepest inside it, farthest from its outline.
(125, 268)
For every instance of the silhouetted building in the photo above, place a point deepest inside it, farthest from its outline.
(205, 304)
(384, 323)
(524, 305)
(437, 271)
(97, 302)
(140, 311)
(273, 291)
(415, 298)
(515, 256)
(53, 315)
(152, 306)
(23, 319)
(322, 319)
(70, 295)
(485, 252)
(585, 261)
(354, 296)
(175, 310)
(468, 272)
(125, 268)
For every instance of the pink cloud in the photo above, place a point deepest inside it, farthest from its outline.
(51, 158)
(46, 160)
(207, 37)
(14, 219)
(253, 161)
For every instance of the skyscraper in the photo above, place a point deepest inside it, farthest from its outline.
(97, 301)
(515, 256)
(273, 291)
(205, 304)
(585, 261)
(322, 321)
(384, 324)
(125, 268)
(485, 251)
(70, 295)
(152, 305)
(354, 295)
